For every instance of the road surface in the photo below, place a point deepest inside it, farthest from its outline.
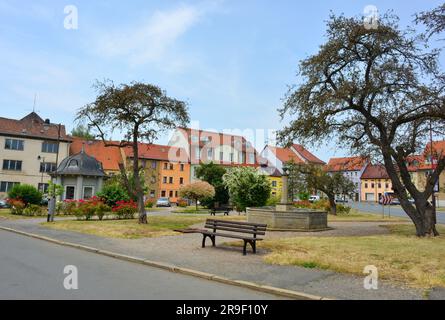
(396, 211)
(33, 269)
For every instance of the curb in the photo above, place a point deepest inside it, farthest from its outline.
(172, 268)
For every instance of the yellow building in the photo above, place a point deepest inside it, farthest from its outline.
(374, 183)
(274, 177)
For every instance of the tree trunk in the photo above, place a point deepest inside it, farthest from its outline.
(137, 182)
(332, 205)
(422, 216)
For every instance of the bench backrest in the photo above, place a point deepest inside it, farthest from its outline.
(237, 226)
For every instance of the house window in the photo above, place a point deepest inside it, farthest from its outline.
(379, 185)
(171, 166)
(6, 186)
(372, 185)
(163, 193)
(15, 165)
(210, 153)
(176, 194)
(181, 180)
(274, 183)
(182, 167)
(153, 164)
(164, 180)
(170, 180)
(251, 158)
(14, 144)
(195, 139)
(231, 157)
(50, 147)
(73, 164)
(152, 193)
(387, 185)
(43, 187)
(88, 192)
(366, 186)
(165, 165)
(47, 167)
(70, 192)
(170, 194)
(221, 156)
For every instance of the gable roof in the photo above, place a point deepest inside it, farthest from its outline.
(33, 126)
(375, 172)
(346, 164)
(309, 157)
(438, 149)
(110, 157)
(158, 152)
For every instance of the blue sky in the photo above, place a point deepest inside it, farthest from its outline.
(230, 60)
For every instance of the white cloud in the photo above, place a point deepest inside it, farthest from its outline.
(150, 41)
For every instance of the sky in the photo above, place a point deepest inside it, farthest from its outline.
(230, 60)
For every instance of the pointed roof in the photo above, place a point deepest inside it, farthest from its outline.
(80, 164)
(158, 152)
(297, 154)
(309, 157)
(375, 172)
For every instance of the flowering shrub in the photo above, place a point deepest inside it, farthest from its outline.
(149, 203)
(33, 210)
(182, 203)
(125, 209)
(17, 206)
(69, 207)
(303, 204)
(86, 209)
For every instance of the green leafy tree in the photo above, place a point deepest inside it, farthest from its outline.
(139, 111)
(112, 193)
(376, 91)
(54, 189)
(197, 191)
(26, 193)
(310, 177)
(82, 131)
(247, 187)
(213, 173)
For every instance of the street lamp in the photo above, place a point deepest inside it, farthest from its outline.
(42, 169)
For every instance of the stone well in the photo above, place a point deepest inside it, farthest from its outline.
(286, 219)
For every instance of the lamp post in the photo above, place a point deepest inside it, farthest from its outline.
(42, 169)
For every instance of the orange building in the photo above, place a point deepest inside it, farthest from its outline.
(166, 169)
(375, 182)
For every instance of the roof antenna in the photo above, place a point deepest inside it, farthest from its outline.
(34, 105)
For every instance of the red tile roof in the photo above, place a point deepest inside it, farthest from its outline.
(286, 155)
(109, 156)
(438, 149)
(346, 164)
(158, 152)
(375, 172)
(307, 155)
(32, 126)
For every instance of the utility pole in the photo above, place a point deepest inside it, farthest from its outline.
(52, 202)
(433, 194)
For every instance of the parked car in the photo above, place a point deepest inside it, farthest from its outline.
(314, 198)
(4, 204)
(341, 200)
(163, 202)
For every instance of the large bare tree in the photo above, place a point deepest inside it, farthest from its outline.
(377, 91)
(139, 111)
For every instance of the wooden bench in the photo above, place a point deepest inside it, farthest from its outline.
(226, 210)
(245, 231)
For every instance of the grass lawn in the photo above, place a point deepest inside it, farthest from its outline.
(157, 226)
(5, 214)
(356, 215)
(400, 256)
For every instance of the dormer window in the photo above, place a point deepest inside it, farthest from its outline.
(73, 164)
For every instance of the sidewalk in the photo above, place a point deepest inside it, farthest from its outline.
(185, 251)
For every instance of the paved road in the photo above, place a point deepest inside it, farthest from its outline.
(396, 211)
(33, 269)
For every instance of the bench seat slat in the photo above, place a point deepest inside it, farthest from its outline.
(228, 235)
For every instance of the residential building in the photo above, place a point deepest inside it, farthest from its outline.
(206, 146)
(275, 157)
(109, 157)
(166, 169)
(275, 179)
(30, 149)
(374, 183)
(352, 168)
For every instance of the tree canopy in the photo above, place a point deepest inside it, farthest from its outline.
(138, 111)
(213, 174)
(197, 191)
(376, 92)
